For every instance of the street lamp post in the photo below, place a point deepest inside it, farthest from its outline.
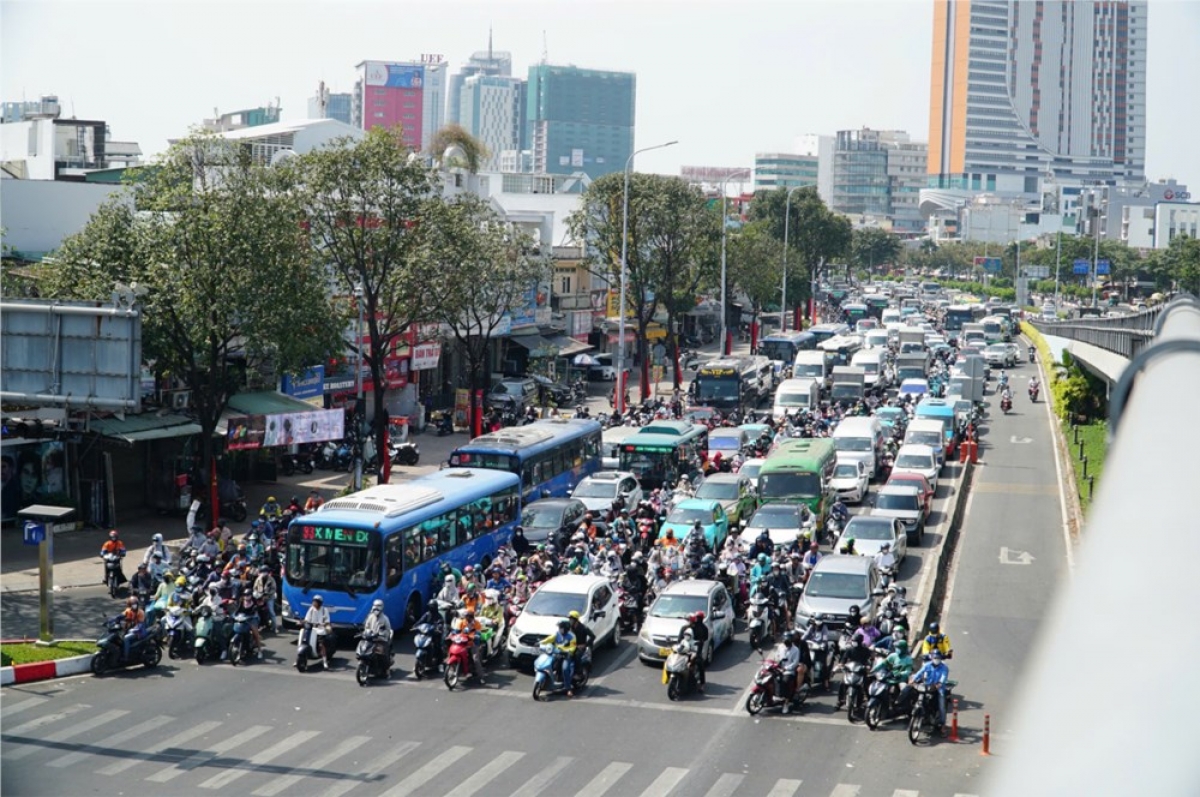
(725, 346)
(787, 216)
(359, 410)
(619, 398)
(1057, 265)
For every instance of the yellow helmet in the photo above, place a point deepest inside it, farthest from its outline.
(181, 582)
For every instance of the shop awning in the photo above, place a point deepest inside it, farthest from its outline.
(267, 402)
(146, 427)
(569, 347)
(536, 344)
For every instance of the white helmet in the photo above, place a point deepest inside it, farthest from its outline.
(377, 606)
(158, 538)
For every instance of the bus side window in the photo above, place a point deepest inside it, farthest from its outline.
(591, 447)
(393, 555)
(413, 543)
(529, 475)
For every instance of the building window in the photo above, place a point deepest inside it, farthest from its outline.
(566, 286)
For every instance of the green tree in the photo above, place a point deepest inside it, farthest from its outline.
(1180, 261)
(871, 247)
(226, 275)
(367, 204)
(816, 235)
(473, 151)
(754, 260)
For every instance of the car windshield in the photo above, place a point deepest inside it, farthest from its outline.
(718, 491)
(792, 399)
(777, 516)
(869, 529)
(690, 516)
(536, 517)
(751, 470)
(916, 461)
(724, 442)
(555, 604)
(679, 606)
(999, 348)
(594, 489)
(903, 502)
(848, 586)
(925, 438)
(852, 443)
(846, 471)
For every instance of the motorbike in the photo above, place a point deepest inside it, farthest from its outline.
(314, 643)
(111, 654)
(458, 661)
(178, 638)
(492, 639)
(1033, 393)
(548, 672)
(114, 576)
(821, 653)
(1006, 403)
(406, 453)
(335, 456)
(881, 701)
(206, 643)
(445, 423)
(774, 688)
(924, 719)
(629, 613)
(854, 675)
(375, 657)
(427, 638)
(290, 463)
(679, 670)
(241, 644)
(761, 616)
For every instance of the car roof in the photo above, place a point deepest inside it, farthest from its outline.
(574, 584)
(915, 448)
(845, 563)
(698, 503)
(723, 478)
(691, 586)
(906, 476)
(608, 476)
(899, 489)
(859, 520)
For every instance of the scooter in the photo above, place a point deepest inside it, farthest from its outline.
(548, 672)
(111, 654)
(923, 722)
(314, 644)
(406, 453)
(178, 635)
(241, 644)
(1033, 393)
(629, 614)
(458, 661)
(445, 424)
(114, 576)
(207, 643)
(679, 670)
(1006, 403)
(854, 675)
(428, 640)
(820, 652)
(760, 618)
(882, 695)
(492, 638)
(774, 687)
(375, 657)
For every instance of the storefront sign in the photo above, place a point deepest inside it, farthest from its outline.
(425, 356)
(308, 384)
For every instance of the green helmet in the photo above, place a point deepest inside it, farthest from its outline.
(902, 645)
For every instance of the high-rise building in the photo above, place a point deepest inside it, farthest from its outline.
(860, 174)
(495, 63)
(821, 147)
(326, 104)
(1021, 91)
(248, 117)
(491, 109)
(783, 170)
(411, 94)
(906, 168)
(579, 120)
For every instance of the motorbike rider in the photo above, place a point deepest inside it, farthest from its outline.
(885, 559)
(623, 525)
(763, 545)
(611, 568)
(579, 562)
(867, 632)
(470, 577)
(1032, 353)
(472, 598)
(157, 546)
(314, 502)
(519, 543)
(497, 581)
(812, 557)
(141, 583)
(760, 572)
(564, 642)
(492, 611)
(133, 624)
(210, 547)
(857, 653)
(158, 568)
(467, 624)
(239, 561)
(933, 673)
(817, 633)
(935, 642)
(248, 606)
(699, 631)
(708, 567)
(255, 549)
(433, 617)
(113, 546)
(270, 509)
(848, 547)
(792, 658)
(780, 587)
(378, 624)
(839, 512)
(1034, 386)
(318, 617)
(264, 591)
(294, 507)
(899, 663)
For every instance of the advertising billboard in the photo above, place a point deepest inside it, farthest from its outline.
(308, 384)
(32, 472)
(395, 76)
(264, 431)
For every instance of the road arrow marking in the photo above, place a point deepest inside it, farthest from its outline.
(1010, 557)
(1020, 441)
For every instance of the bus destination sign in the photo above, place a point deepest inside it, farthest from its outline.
(330, 534)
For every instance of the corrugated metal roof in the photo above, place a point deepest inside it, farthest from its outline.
(150, 426)
(267, 402)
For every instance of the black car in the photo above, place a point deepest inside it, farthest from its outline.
(513, 394)
(551, 392)
(552, 521)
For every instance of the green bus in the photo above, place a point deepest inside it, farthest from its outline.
(663, 451)
(800, 471)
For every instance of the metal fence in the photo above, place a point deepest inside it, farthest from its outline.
(1126, 335)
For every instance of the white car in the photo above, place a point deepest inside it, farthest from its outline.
(1000, 355)
(750, 469)
(915, 458)
(598, 491)
(850, 480)
(592, 596)
(604, 367)
(783, 523)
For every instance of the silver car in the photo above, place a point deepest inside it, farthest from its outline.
(902, 503)
(871, 532)
(667, 616)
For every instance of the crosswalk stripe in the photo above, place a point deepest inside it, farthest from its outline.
(845, 790)
(45, 719)
(287, 781)
(198, 759)
(153, 750)
(485, 774)
(374, 768)
(111, 742)
(223, 779)
(427, 773)
(906, 793)
(24, 705)
(960, 794)
(534, 786)
(605, 780)
(725, 786)
(668, 779)
(67, 733)
(784, 787)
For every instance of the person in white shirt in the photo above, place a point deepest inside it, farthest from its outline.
(157, 546)
(885, 559)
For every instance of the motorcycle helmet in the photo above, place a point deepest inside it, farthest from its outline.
(933, 627)
(564, 625)
(133, 603)
(708, 559)
(471, 588)
(317, 599)
(157, 538)
(181, 582)
(688, 634)
(468, 569)
(377, 606)
(448, 580)
(574, 615)
(935, 657)
(521, 577)
(818, 621)
(789, 637)
(270, 499)
(491, 595)
(432, 606)
(864, 622)
(112, 535)
(295, 499)
(697, 617)
(141, 566)
(902, 646)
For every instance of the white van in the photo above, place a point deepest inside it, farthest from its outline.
(794, 395)
(874, 365)
(890, 316)
(610, 445)
(928, 432)
(876, 339)
(811, 364)
(860, 437)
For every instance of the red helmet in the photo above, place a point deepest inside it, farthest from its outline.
(112, 535)
(697, 617)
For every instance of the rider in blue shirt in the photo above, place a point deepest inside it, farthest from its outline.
(935, 673)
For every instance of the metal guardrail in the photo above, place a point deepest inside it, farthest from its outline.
(1107, 702)
(1126, 335)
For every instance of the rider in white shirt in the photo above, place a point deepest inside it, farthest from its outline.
(885, 559)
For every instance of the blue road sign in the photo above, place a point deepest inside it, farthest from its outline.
(35, 533)
(991, 264)
(1103, 267)
(1082, 266)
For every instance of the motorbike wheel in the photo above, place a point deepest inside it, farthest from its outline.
(419, 669)
(99, 665)
(581, 676)
(854, 706)
(301, 662)
(363, 674)
(239, 513)
(755, 638)
(152, 657)
(288, 467)
(674, 689)
(756, 703)
(538, 687)
(235, 652)
(915, 725)
(874, 717)
(201, 654)
(453, 676)
(112, 585)
(306, 466)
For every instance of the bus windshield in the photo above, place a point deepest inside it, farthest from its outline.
(717, 387)
(778, 350)
(330, 557)
(789, 485)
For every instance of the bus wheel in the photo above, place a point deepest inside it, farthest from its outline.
(412, 612)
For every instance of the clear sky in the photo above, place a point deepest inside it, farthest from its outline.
(727, 79)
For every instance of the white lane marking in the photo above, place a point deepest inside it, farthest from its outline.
(111, 742)
(1020, 441)
(725, 786)
(605, 780)
(784, 788)
(485, 774)
(255, 761)
(668, 779)
(845, 790)
(197, 760)
(1058, 470)
(47, 719)
(374, 768)
(287, 781)
(906, 793)
(7, 711)
(67, 733)
(431, 770)
(535, 785)
(1011, 556)
(148, 754)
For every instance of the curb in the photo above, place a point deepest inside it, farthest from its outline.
(932, 607)
(45, 670)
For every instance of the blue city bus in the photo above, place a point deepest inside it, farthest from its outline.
(551, 456)
(823, 332)
(389, 541)
(781, 347)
